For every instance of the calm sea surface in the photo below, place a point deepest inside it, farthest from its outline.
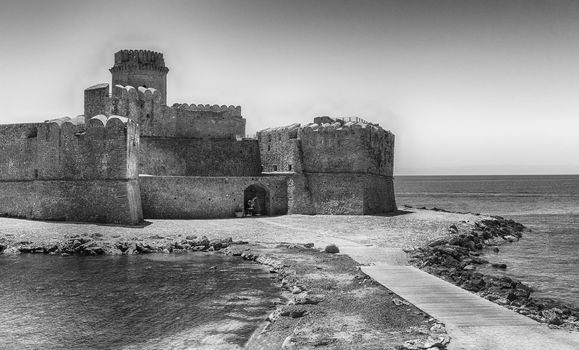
(131, 302)
(546, 258)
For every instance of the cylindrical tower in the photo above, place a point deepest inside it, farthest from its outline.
(140, 68)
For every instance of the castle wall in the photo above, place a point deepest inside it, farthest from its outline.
(51, 164)
(280, 149)
(107, 201)
(340, 194)
(197, 157)
(346, 167)
(351, 148)
(299, 195)
(144, 105)
(379, 195)
(209, 122)
(336, 194)
(140, 68)
(180, 197)
(18, 150)
(96, 99)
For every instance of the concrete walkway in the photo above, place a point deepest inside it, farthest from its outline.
(471, 321)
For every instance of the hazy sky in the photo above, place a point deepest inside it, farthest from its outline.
(468, 87)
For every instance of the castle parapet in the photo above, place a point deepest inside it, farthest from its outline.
(208, 121)
(349, 147)
(140, 68)
(229, 111)
(139, 59)
(69, 169)
(280, 149)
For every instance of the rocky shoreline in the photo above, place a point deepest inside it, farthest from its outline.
(314, 299)
(310, 299)
(457, 259)
(94, 244)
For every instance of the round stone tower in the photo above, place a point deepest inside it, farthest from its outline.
(141, 68)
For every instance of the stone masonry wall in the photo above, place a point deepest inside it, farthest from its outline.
(140, 68)
(340, 194)
(350, 148)
(280, 149)
(107, 201)
(50, 163)
(95, 100)
(209, 122)
(195, 157)
(379, 195)
(180, 120)
(186, 197)
(336, 194)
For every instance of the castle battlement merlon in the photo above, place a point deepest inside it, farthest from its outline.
(234, 111)
(98, 127)
(140, 68)
(78, 120)
(285, 128)
(348, 127)
(140, 59)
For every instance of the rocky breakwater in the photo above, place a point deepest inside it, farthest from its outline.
(94, 244)
(458, 257)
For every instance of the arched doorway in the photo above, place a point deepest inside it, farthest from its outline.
(260, 197)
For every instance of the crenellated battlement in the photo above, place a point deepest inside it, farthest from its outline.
(139, 59)
(140, 68)
(77, 121)
(136, 103)
(336, 145)
(234, 111)
(341, 127)
(281, 129)
(99, 128)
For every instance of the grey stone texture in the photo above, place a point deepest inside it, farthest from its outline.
(131, 156)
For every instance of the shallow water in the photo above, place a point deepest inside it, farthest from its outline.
(545, 258)
(155, 301)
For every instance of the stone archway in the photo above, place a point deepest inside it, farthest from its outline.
(262, 199)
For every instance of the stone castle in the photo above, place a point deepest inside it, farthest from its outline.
(130, 156)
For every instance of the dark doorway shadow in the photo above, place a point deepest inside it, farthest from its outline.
(259, 196)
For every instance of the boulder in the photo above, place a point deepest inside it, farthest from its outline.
(332, 249)
(552, 317)
(437, 242)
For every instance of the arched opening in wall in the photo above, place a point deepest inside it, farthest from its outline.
(256, 200)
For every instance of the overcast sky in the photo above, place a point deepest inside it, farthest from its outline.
(468, 87)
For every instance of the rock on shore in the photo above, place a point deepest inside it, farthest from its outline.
(456, 258)
(94, 245)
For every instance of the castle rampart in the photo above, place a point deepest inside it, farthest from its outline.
(188, 197)
(198, 157)
(280, 148)
(140, 68)
(48, 163)
(347, 148)
(96, 99)
(340, 167)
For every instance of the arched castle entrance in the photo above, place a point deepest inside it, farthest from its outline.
(262, 199)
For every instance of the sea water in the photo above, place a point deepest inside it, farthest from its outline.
(546, 258)
(157, 301)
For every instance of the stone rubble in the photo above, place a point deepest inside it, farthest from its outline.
(456, 257)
